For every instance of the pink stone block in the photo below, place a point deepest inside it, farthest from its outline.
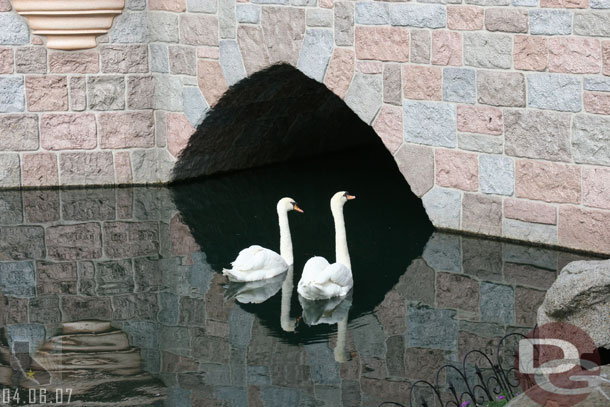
(505, 19)
(40, 170)
(530, 53)
(211, 80)
(68, 131)
(606, 57)
(596, 187)
(584, 229)
(127, 130)
(7, 60)
(326, 3)
(446, 48)
(479, 119)
(122, 168)
(564, 3)
(370, 67)
(388, 125)
(208, 52)
(529, 211)
(252, 47)
(416, 163)
(382, 43)
(179, 131)
(597, 102)
(422, 82)
(5, 5)
(167, 5)
(183, 242)
(340, 71)
(46, 93)
(574, 55)
(547, 181)
(74, 62)
(482, 214)
(465, 17)
(199, 29)
(457, 169)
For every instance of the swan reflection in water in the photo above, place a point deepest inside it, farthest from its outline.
(255, 292)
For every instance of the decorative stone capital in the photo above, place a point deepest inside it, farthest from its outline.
(69, 24)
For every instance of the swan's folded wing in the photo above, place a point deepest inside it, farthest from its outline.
(340, 274)
(252, 258)
(312, 268)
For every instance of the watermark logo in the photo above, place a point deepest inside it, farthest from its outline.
(558, 362)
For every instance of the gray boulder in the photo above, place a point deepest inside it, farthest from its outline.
(581, 296)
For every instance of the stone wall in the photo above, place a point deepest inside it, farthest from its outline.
(496, 111)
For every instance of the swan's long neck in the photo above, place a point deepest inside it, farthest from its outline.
(286, 322)
(285, 238)
(341, 251)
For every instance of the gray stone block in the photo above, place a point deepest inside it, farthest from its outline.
(592, 23)
(597, 83)
(10, 171)
(227, 22)
(497, 303)
(550, 22)
(591, 139)
(459, 85)
(168, 93)
(532, 232)
(248, 13)
(489, 2)
(151, 166)
(130, 27)
(320, 358)
(443, 252)
(31, 334)
(202, 6)
(240, 327)
(106, 92)
(18, 279)
(431, 328)
(501, 88)
(319, 17)
(163, 27)
(525, 3)
(231, 62)
(11, 208)
(430, 123)
(535, 256)
(372, 13)
(600, 4)
(554, 92)
(488, 50)
(136, 4)
(368, 336)
(481, 143)
(14, 31)
(12, 94)
(169, 308)
(344, 23)
(364, 96)
(444, 207)
(195, 105)
(418, 15)
(315, 53)
(496, 174)
(159, 58)
(259, 375)
(278, 396)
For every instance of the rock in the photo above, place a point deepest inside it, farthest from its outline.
(581, 296)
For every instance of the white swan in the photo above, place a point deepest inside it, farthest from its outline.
(321, 280)
(258, 263)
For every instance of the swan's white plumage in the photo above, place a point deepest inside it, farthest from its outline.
(256, 263)
(322, 280)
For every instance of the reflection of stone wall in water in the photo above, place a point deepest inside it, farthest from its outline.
(124, 256)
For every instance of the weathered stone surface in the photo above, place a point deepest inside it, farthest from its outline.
(167, 5)
(284, 30)
(528, 211)
(547, 181)
(124, 58)
(388, 125)
(131, 239)
(40, 170)
(129, 27)
(78, 93)
(113, 277)
(15, 310)
(47, 93)
(606, 57)
(31, 60)
(420, 46)
(10, 172)
(604, 4)
(581, 296)
(531, 232)
(68, 131)
(179, 130)
(392, 84)
(465, 17)
(481, 143)
(373, 13)
(592, 23)
(14, 29)
(430, 123)
(444, 207)
(479, 119)
(344, 23)
(227, 23)
(482, 214)
(431, 328)
(7, 60)
(74, 242)
(5, 5)
(77, 308)
(501, 88)
(550, 22)
(12, 95)
(364, 96)
(459, 85)
(126, 130)
(497, 303)
(524, 274)
(564, 3)
(416, 163)
(555, 92)
(457, 291)
(56, 278)
(530, 53)
(136, 4)
(182, 60)
(456, 169)
(11, 208)
(19, 132)
(163, 27)
(252, 47)
(211, 80)
(122, 168)
(590, 140)
(151, 166)
(446, 48)
(18, 279)
(443, 252)
(597, 102)
(231, 62)
(369, 67)
(482, 258)
(382, 43)
(195, 105)
(74, 62)
(315, 53)
(596, 187)
(574, 55)
(251, 14)
(488, 50)
(496, 174)
(93, 168)
(422, 82)
(202, 6)
(340, 71)
(106, 92)
(584, 229)
(506, 20)
(418, 15)
(552, 130)
(140, 92)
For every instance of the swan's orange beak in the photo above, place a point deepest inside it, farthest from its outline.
(296, 208)
(350, 197)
